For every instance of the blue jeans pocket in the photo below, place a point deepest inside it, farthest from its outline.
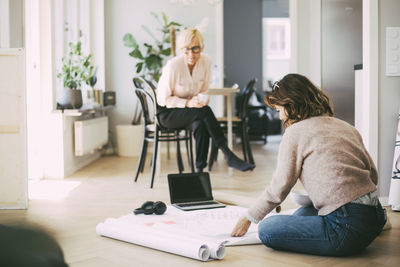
(353, 227)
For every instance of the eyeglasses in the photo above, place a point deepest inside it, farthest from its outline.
(194, 49)
(275, 85)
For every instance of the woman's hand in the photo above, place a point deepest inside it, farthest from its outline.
(195, 103)
(204, 99)
(241, 228)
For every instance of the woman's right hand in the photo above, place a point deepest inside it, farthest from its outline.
(241, 228)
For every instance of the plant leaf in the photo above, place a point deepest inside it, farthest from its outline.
(139, 67)
(136, 53)
(173, 23)
(166, 52)
(157, 76)
(156, 17)
(146, 29)
(153, 62)
(165, 30)
(168, 39)
(130, 41)
(165, 18)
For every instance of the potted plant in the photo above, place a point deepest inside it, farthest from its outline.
(151, 61)
(76, 70)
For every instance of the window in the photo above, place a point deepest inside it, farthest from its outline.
(278, 38)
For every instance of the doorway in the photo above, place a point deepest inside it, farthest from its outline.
(275, 41)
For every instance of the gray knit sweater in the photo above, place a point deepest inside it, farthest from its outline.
(329, 158)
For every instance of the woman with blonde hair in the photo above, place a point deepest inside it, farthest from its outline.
(327, 155)
(182, 97)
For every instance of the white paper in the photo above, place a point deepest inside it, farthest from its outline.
(160, 240)
(200, 234)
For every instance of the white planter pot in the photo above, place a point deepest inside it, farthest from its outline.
(129, 140)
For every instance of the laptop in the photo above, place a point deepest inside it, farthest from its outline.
(192, 191)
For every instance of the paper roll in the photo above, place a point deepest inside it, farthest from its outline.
(217, 251)
(153, 238)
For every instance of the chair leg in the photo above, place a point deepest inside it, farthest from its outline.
(187, 134)
(139, 167)
(247, 142)
(191, 151)
(154, 160)
(244, 143)
(179, 156)
(144, 156)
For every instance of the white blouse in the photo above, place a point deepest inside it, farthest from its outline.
(176, 84)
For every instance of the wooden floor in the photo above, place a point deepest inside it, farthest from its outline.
(106, 189)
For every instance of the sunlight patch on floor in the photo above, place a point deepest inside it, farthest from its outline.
(50, 190)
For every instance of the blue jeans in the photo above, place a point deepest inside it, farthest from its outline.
(345, 231)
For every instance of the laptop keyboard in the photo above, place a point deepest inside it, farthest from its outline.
(198, 203)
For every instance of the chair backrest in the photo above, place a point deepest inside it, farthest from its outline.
(245, 96)
(143, 98)
(147, 100)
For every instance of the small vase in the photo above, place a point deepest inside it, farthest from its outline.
(69, 98)
(76, 98)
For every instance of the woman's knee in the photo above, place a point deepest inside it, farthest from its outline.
(206, 111)
(269, 227)
(199, 128)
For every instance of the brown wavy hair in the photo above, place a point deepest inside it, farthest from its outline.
(300, 98)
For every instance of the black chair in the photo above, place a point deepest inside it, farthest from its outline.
(154, 132)
(154, 94)
(263, 120)
(239, 125)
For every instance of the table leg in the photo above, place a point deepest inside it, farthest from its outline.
(229, 117)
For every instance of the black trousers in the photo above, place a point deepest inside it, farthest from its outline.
(201, 121)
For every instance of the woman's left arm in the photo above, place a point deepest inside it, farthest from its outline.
(206, 80)
(285, 176)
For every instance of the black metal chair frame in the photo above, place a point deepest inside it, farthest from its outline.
(154, 132)
(240, 126)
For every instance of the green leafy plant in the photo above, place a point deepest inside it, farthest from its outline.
(77, 68)
(151, 61)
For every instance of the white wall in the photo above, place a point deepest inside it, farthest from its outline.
(275, 69)
(305, 23)
(127, 16)
(4, 23)
(16, 23)
(389, 97)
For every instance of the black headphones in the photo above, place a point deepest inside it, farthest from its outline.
(150, 207)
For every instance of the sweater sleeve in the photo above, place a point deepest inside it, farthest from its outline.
(166, 87)
(284, 177)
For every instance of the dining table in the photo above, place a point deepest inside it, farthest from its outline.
(227, 92)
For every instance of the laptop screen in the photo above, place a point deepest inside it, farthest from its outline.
(189, 187)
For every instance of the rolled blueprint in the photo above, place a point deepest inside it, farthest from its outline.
(153, 238)
(216, 246)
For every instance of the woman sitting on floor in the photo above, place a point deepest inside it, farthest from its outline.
(327, 155)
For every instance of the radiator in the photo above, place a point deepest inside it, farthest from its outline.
(90, 135)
